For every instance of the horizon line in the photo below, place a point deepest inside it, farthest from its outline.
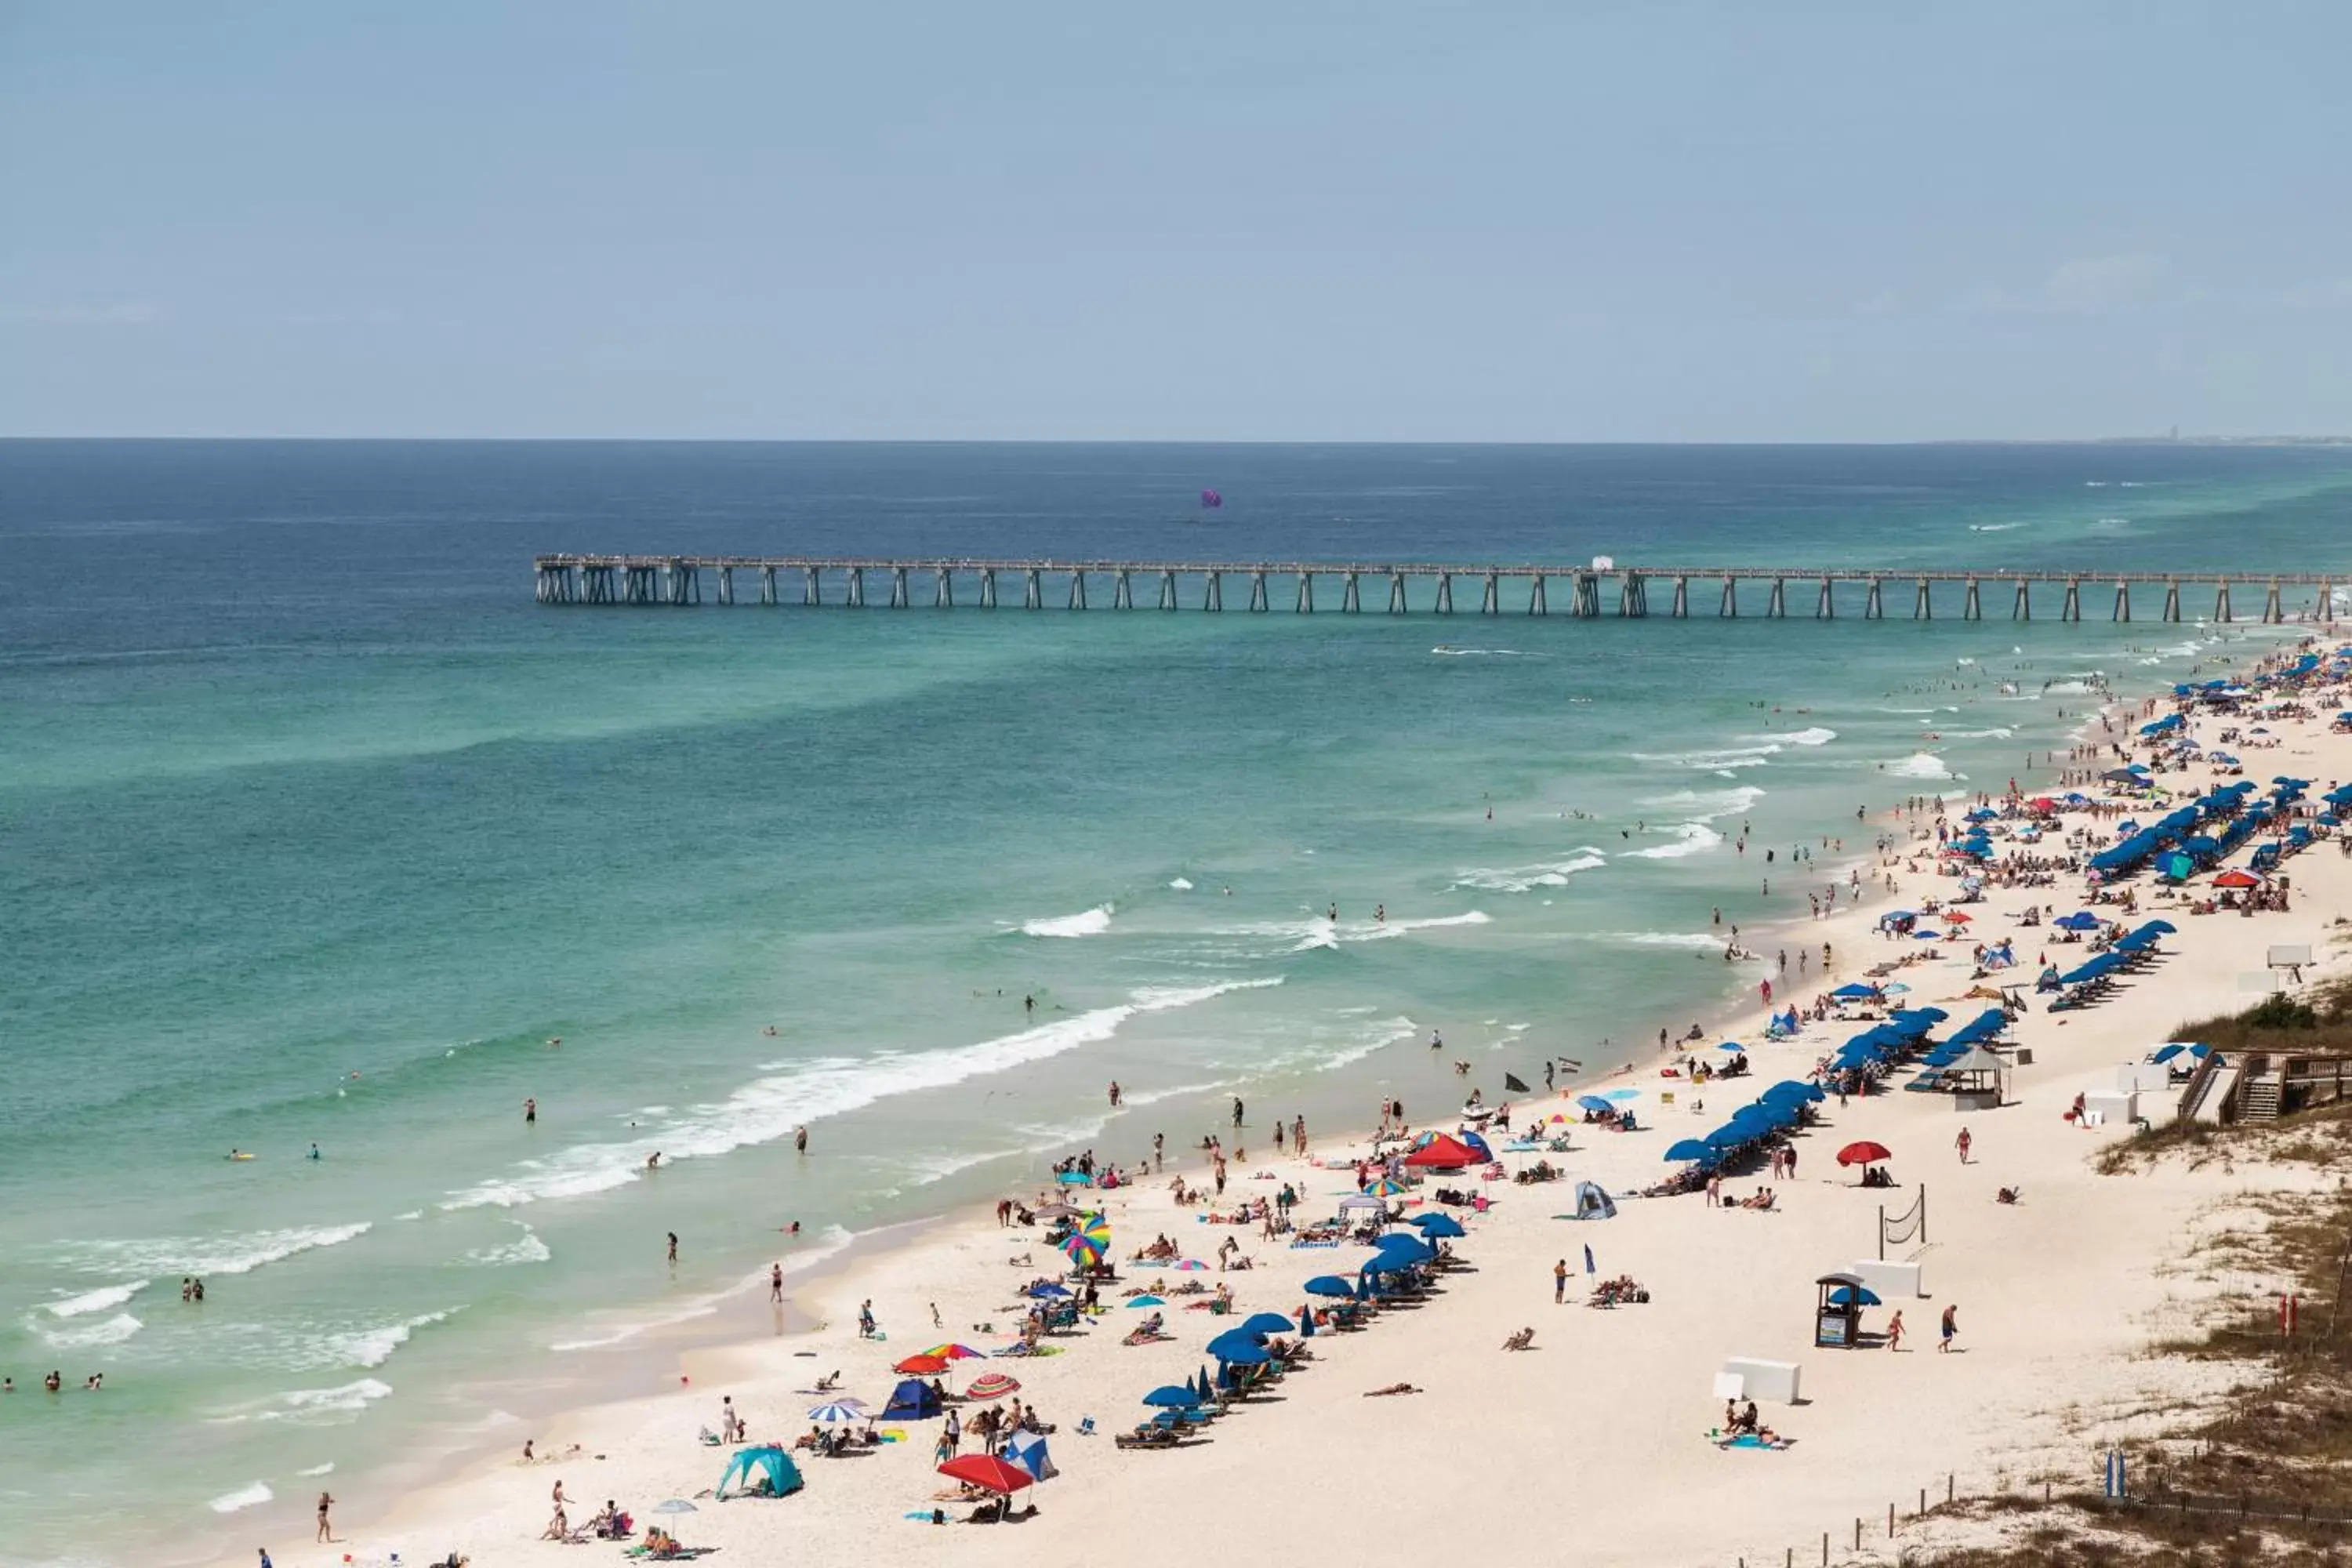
(2272, 439)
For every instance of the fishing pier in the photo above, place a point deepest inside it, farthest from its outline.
(1586, 592)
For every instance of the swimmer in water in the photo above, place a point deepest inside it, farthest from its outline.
(314, 1151)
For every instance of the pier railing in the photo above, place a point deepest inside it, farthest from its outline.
(1417, 588)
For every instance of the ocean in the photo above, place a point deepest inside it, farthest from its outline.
(316, 831)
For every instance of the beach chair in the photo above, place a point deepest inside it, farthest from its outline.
(1085, 1426)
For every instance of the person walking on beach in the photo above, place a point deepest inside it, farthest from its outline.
(866, 1319)
(800, 1140)
(1951, 1327)
(326, 1528)
(1298, 1136)
(1961, 1143)
(1237, 1111)
(935, 1316)
(1894, 1330)
(776, 1283)
(1158, 1152)
(1560, 1283)
(1114, 1094)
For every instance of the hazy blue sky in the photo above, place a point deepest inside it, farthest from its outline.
(1626, 219)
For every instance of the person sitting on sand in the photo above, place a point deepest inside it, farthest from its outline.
(1522, 1340)
(1392, 1389)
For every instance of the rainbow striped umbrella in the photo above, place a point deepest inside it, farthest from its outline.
(1090, 1241)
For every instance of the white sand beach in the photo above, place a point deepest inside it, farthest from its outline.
(1595, 1440)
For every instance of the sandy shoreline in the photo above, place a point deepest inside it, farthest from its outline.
(2056, 1298)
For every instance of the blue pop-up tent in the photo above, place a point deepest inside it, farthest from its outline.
(913, 1400)
(766, 1471)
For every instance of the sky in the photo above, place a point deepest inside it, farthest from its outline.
(1584, 220)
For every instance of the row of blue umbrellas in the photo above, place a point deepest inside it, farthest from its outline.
(1775, 1110)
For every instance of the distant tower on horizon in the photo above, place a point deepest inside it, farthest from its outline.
(2174, 434)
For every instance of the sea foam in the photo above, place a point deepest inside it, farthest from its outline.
(767, 1109)
(243, 1497)
(1087, 922)
(239, 1253)
(1690, 838)
(1525, 879)
(96, 1300)
(112, 1330)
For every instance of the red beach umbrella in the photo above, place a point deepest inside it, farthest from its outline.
(922, 1365)
(2237, 879)
(1864, 1153)
(988, 1470)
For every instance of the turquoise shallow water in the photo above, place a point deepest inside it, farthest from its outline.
(315, 828)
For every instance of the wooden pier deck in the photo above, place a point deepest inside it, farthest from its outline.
(1414, 587)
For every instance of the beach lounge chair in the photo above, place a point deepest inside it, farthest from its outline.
(1149, 1436)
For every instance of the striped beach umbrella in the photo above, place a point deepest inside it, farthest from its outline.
(992, 1385)
(838, 1411)
(1090, 1242)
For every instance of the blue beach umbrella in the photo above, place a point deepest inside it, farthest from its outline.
(1145, 1301)
(1404, 1248)
(1594, 1103)
(1266, 1324)
(1688, 1149)
(1048, 1288)
(1442, 1224)
(1233, 1339)
(1174, 1396)
(1329, 1284)
(1855, 1296)
(1233, 1355)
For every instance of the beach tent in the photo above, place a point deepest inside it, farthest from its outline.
(1442, 1154)
(750, 1466)
(1476, 1145)
(912, 1400)
(1591, 1203)
(1027, 1449)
